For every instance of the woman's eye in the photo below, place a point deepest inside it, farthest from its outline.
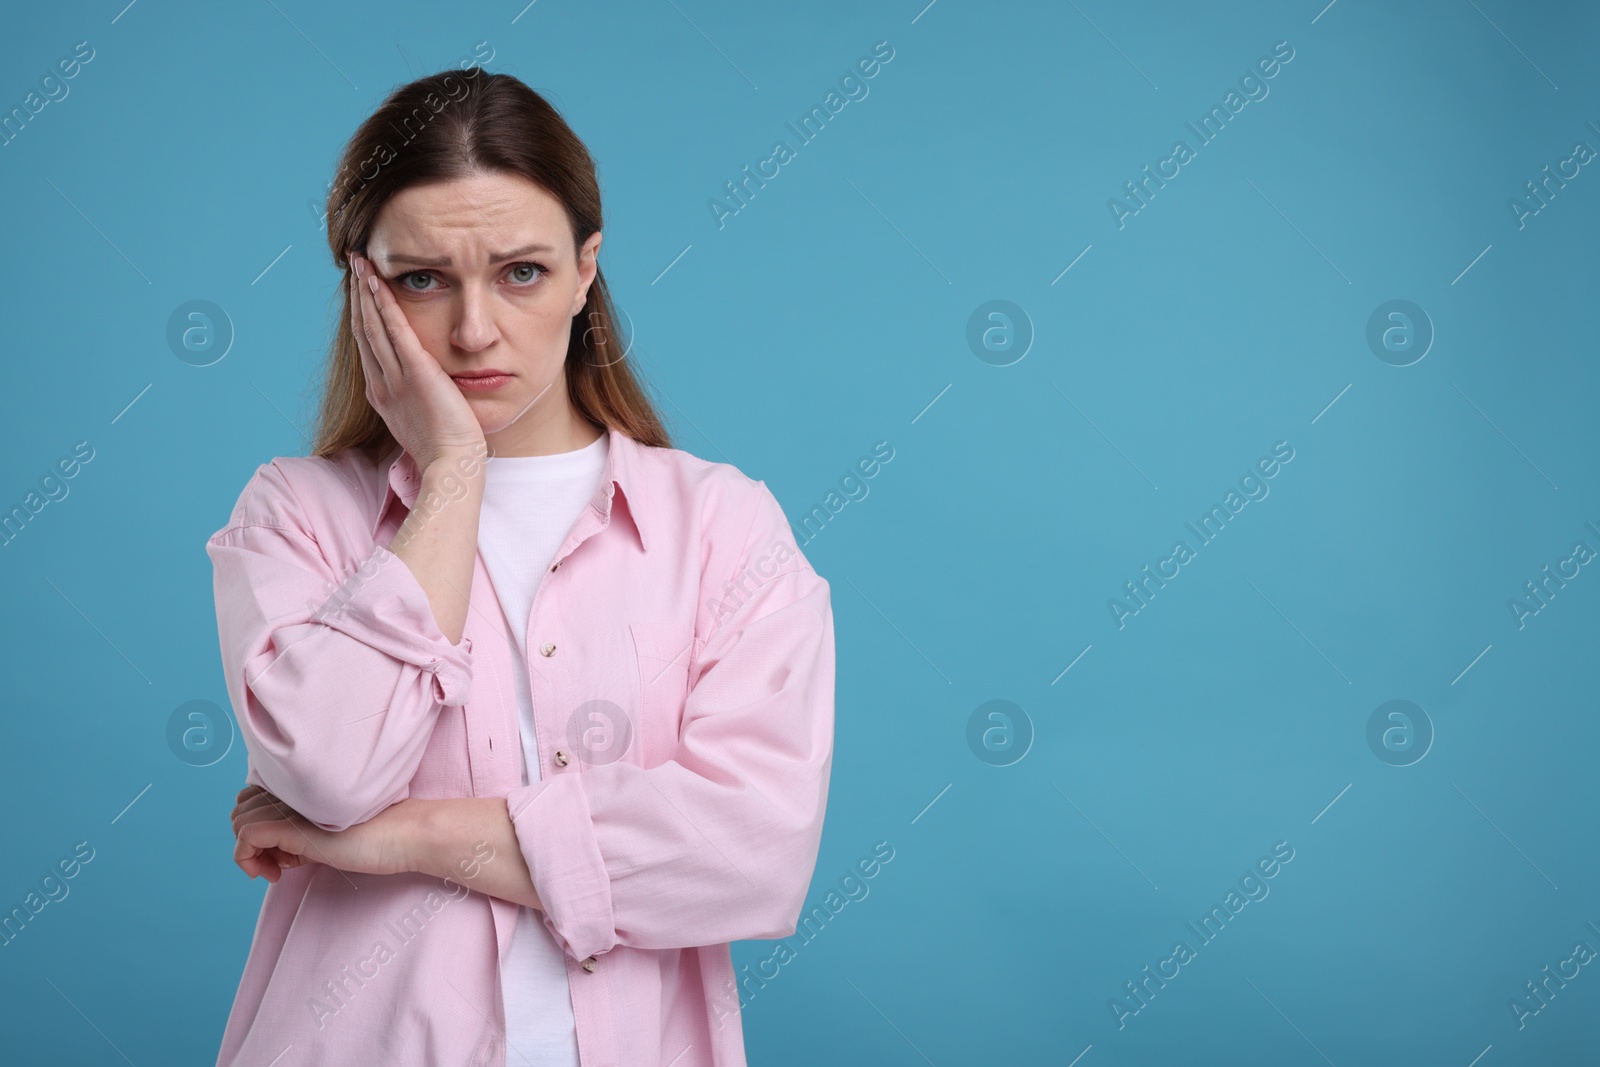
(522, 274)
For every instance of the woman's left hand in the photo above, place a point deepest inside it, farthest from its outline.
(272, 836)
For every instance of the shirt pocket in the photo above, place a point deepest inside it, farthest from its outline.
(661, 651)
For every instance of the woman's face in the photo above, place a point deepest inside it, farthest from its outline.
(486, 273)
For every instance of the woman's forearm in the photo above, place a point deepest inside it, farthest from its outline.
(448, 840)
(439, 539)
(470, 839)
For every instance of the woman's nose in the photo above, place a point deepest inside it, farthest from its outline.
(474, 324)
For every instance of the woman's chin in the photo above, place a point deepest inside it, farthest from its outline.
(503, 408)
(495, 416)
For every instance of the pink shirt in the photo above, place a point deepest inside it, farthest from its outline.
(681, 664)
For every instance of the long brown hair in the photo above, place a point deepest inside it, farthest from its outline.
(455, 123)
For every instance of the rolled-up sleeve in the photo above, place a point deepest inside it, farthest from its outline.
(336, 681)
(719, 842)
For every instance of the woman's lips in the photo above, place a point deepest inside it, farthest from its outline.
(482, 384)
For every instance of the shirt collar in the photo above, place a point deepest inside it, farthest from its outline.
(622, 471)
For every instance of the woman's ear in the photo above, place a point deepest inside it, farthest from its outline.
(588, 266)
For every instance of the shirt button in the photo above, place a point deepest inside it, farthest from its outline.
(589, 964)
(547, 650)
(556, 564)
(561, 759)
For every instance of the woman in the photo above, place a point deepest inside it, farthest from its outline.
(539, 709)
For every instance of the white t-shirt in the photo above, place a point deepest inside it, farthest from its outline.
(530, 504)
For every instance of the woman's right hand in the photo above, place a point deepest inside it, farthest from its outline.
(417, 400)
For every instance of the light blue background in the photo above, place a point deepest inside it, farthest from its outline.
(1227, 315)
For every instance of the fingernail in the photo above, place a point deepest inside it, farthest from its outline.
(372, 283)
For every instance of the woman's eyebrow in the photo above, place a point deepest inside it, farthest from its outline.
(444, 261)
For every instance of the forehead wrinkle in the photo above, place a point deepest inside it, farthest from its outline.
(436, 238)
(447, 214)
